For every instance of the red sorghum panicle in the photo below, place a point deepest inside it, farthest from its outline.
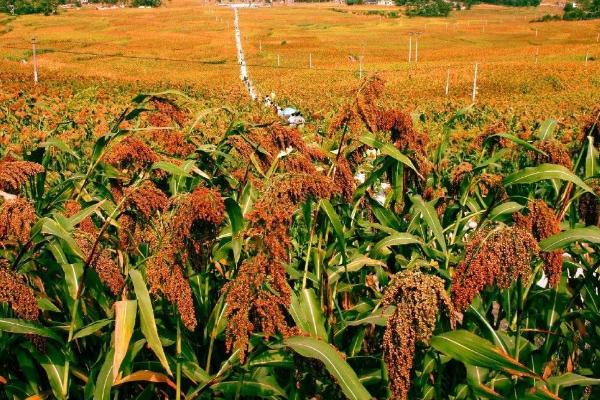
(406, 138)
(146, 200)
(297, 162)
(131, 154)
(589, 205)
(166, 113)
(17, 294)
(399, 123)
(556, 153)
(72, 207)
(418, 299)
(494, 255)
(344, 178)
(487, 136)
(166, 276)
(265, 144)
(17, 216)
(197, 218)
(491, 183)
(101, 260)
(13, 174)
(259, 294)
(367, 95)
(362, 111)
(257, 298)
(272, 213)
(458, 174)
(542, 222)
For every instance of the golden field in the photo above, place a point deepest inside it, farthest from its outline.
(532, 69)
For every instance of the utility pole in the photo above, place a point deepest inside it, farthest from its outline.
(410, 35)
(34, 59)
(417, 47)
(310, 60)
(474, 84)
(448, 81)
(278, 63)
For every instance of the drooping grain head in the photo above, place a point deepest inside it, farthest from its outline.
(257, 299)
(101, 259)
(131, 154)
(556, 153)
(14, 174)
(15, 292)
(494, 255)
(418, 298)
(542, 222)
(17, 216)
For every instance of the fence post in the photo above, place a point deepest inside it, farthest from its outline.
(260, 46)
(278, 63)
(587, 56)
(360, 72)
(474, 84)
(310, 60)
(448, 81)
(34, 59)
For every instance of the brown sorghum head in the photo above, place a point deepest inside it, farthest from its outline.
(458, 174)
(72, 207)
(131, 154)
(556, 153)
(272, 214)
(399, 123)
(494, 255)
(344, 178)
(166, 113)
(497, 141)
(589, 205)
(197, 218)
(418, 299)
(256, 298)
(17, 216)
(13, 174)
(166, 276)
(101, 260)
(17, 294)
(146, 200)
(362, 111)
(542, 222)
(491, 184)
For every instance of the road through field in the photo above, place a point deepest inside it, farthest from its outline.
(292, 116)
(240, 55)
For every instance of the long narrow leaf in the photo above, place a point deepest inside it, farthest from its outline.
(335, 364)
(147, 321)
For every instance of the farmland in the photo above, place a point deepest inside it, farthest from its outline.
(164, 236)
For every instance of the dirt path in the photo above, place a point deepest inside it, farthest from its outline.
(240, 56)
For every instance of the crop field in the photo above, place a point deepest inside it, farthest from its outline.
(519, 62)
(368, 231)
